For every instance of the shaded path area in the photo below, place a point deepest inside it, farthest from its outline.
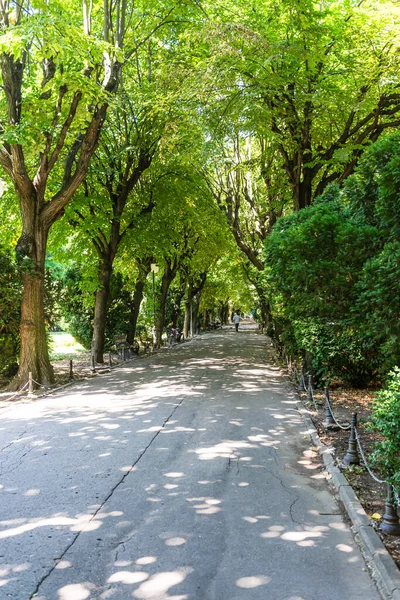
(185, 476)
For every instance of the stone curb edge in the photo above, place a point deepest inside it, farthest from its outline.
(381, 566)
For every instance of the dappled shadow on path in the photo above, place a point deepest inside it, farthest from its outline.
(188, 476)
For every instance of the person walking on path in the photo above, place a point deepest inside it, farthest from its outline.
(236, 320)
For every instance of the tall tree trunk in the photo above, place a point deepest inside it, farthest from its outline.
(224, 313)
(205, 318)
(34, 356)
(137, 296)
(188, 305)
(176, 310)
(167, 279)
(135, 304)
(194, 289)
(196, 308)
(102, 297)
(265, 310)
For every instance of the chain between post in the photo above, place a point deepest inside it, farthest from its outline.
(366, 465)
(19, 391)
(357, 436)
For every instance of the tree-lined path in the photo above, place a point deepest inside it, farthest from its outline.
(185, 476)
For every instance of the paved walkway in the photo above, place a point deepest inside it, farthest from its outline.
(185, 476)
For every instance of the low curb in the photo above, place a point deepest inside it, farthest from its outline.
(380, 564)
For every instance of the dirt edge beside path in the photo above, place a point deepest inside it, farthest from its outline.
(379, 561)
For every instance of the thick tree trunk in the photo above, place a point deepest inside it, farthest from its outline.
(264, 304)
(137, 297)
(188, 304)
(176, 310)
(136, 302)
(224, 314)
(34, 356)
(167, 279)
(194, 289)
(196, 308)
(303, 191)
(101, 303)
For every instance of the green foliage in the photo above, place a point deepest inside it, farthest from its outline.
(78, 314)
(74, 310)
(373, 195)
(385, 421)
(313, 260)
(332, 272)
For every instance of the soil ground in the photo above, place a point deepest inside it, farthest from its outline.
(345, 402)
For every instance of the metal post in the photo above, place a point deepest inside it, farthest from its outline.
(71, 370)
(309, 390)
(351, 456)
(301, 387)
(329, 421)
(93, 364)
(30, 385)
(154, 301)
(295, 370)
(390, 523)
(191, 318)
(109, 360)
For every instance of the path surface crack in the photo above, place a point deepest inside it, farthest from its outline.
(116, 486)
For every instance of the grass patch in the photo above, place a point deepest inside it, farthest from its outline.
(64, 345)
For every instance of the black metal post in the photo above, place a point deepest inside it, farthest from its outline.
(301, 387)
(390, 523)
(71, 370)
(351, 457)
(309, 390)
(329, 421)
(109, 360)
(154, 301)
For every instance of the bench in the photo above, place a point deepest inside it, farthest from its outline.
(124, 350)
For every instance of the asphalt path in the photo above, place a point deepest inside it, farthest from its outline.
(188, 475)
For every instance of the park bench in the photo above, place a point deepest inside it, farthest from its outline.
(145, 339)
(124, 350)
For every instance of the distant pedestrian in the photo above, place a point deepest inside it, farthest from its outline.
(236, 320)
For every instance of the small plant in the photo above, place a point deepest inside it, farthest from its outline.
(386, 422)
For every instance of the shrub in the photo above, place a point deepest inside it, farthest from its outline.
(314, 258)
(386, 422)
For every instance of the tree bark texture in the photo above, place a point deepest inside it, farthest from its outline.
(167, 278)
(102, 297)
(176, 309)
(107, 243)
(194, 289)
(40, 208)
(137, 297)
(34, 356)
(136, 302)
(224, 314)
